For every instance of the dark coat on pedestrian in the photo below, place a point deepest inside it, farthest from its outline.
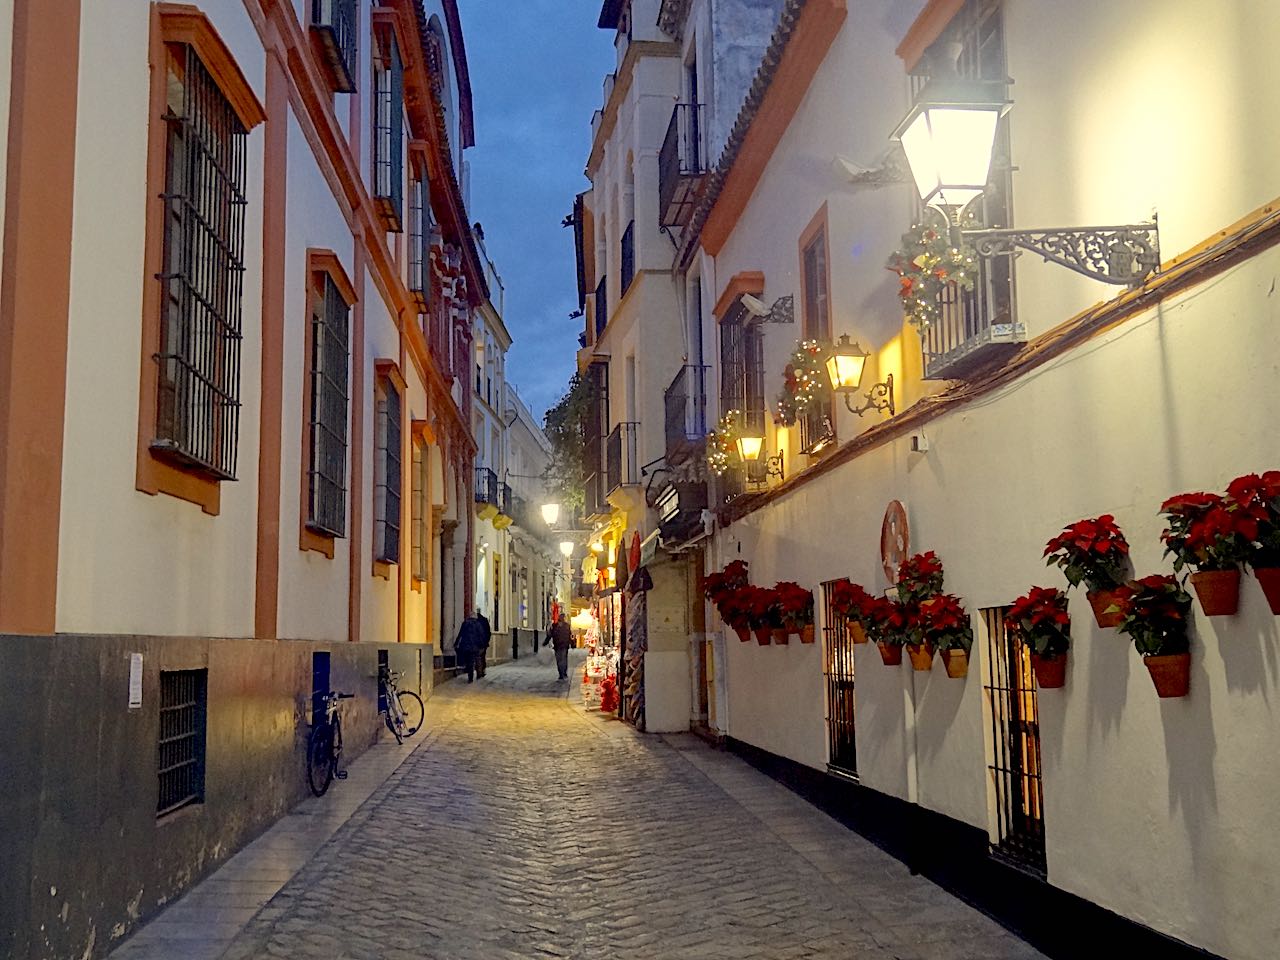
(486, 632)
(562, 635)
(471, 636)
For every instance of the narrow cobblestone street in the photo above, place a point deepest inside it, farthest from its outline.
(527, 828)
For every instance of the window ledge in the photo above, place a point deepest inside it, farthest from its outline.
(317, 541)
(382, 568)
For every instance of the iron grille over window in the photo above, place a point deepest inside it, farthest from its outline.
(420, 510)
(817, 315)
(602, 306)
(628, 258)
(742, 377)
(327, 471)
(842, 745)
(387, 461)
(198, 392)
(419, 240)
(181, 742)
(388, 133)
(1015, 738)
(336, 22)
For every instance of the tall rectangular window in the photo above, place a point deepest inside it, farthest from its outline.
(386, 469)
(817, 311)
(180, 746)
(742, 377)
(202, 272)
(1015, 737)
(388, 129)
(335, 24)
(419, 252)
(420, 510)
(327, 460)
(842, 753)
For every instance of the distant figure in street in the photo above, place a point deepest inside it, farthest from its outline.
(561, 641)
(486, 635)
(470, 646)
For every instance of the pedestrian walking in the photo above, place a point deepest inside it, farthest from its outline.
(470, 645)
(486, 635)
(562, 640)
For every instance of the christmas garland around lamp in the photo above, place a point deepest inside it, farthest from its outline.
(805, 384)
(722, 443)
(926, 264)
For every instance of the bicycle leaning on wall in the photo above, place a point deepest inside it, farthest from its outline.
(324, 748)
(404, 710)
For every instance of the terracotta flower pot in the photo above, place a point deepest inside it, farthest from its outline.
(1269, 579)
(780, 635)
(857, 633)
(1218, 590)
(1050, 673)
(808, 634)
(890, 653)
(921, 655)
(743, 632)
(762, 636)
(956, 662)
(1100, 600)
(1171, 673)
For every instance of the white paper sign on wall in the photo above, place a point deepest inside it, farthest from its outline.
(135, 681)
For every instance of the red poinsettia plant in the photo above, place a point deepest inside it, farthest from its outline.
(760, 606)
(919, 577)
(733, 609)
(1207, 531)
(1257, 496)
(1093, 552)
(850, 600)
(718, 585)
(1155, 610)
(941, 621)
(1040, 620)
(885, 621)
(795, 604)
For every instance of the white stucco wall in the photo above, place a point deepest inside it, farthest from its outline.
(129, 562)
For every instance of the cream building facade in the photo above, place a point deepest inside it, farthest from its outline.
(1128, 819)
(237, 294)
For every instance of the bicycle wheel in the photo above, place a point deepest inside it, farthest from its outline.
(337, 746)
(320, 760)
(411, 707)
(394, 719)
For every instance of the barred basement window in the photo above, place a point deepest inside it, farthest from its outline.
(198, 392)
(386, 462)
(388, 130)
(1015, 737)
(327, 469)
(181, 742)
(420, 510)
(838, 646)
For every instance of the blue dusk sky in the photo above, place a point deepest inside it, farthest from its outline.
(537, 69)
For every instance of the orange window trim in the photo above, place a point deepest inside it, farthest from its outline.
(175, 23)
(817, 228)
(928, 27)
(320, 264)
(820, 21)
(750, 281)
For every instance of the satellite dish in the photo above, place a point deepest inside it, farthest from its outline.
(754, 306)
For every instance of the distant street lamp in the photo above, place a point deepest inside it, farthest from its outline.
(566, 548)
(550, 513)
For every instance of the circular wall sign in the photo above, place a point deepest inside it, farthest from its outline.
(895, 539)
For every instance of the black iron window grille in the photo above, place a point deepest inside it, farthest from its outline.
(387, 462)
(838, 646)
(419, 510)
(336, 23)
(742, 379)
(419, 240)
(627, 261)
(180, 747)
(1015, 736)
(602, 306)
(388, 132)
(198, 387)
(327, 470)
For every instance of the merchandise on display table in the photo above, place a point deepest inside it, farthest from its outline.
(598, 670)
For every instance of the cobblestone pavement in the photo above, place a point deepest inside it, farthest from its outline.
(529, 829)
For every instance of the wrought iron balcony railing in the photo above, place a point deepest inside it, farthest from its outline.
(621, 456)
(486, 486)
(334, 24)
(977, 328)
(686, 411)
(817, 430)
(628, 258)
(682, 164)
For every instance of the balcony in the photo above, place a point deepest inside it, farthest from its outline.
(682, 165)
(334, 27)
(978, 328)
(817, 431)
(506, 510)
(486, 495)
(686, 412)
(595, 504)
(602, 306)
(621, 456)
(628, 258)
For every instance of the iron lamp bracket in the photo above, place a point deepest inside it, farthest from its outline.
(879, 397)
(1121, 255)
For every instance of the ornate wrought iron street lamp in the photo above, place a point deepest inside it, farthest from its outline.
(949, 137)
(845, 365)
